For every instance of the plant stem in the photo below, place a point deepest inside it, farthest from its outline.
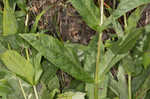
(27, 54)
(96, 89)
(114, 4)
(35, 91)
(22, 90)
(129, 86)
(125, 21)
(34, 87)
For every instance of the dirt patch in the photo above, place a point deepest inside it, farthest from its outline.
(62, 19)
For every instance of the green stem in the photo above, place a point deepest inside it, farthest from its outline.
(22, 90)
(34, 87)
(26, 23)
(27, 54)
(114, 4)
(35, 91)
(129, 86)
(96, 89)
(125, 21)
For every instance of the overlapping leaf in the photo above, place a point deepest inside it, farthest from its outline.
(10, 25)
(62, 57)
(127, 42)
(19, 65)
(127, 5)
(89, 12)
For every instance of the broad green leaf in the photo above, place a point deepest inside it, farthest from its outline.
(89, 12)
(15, 42)
(5, 88)
(133, 19)
(127, 42)
(118, 28)
(76, 85)
(62, 57)
(124, 6)
(146, 59)
(49, 71)
(44, 92)
(146, 42)
(22, 4)
(141, 93)
(2, 48)
(1, 23)
(53, 83)
(10, 25)
(20, 14)
(108, 61)
(127, 5)
(140, 79)
(16, 90)
(122, 84)
(18, 65)
(71, 95)
(130, 66)
(113, 85)
(37, 67)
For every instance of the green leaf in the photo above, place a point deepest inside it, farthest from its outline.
(15, 41)
(71, 95)
(18, 65)
(127, 42)
(141, 93)
(1, 23)
(2, 48)
(22, 4)
(49, 71)
(89, 12)
(5, 88)
(127, 5)
(146, 59)
(37, 67)
(53, 83)
(108, 61)
(133, 19)
(16, 91)
(62, 57)
(113, 85)
(122, 85)
(130, 66)
(10, 25)
(118, 28)
(140, 79)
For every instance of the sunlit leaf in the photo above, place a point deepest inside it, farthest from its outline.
(37, 67)
(62, 57)
(10, 25)
(71, 95)
(122, 85)
(18, 65)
